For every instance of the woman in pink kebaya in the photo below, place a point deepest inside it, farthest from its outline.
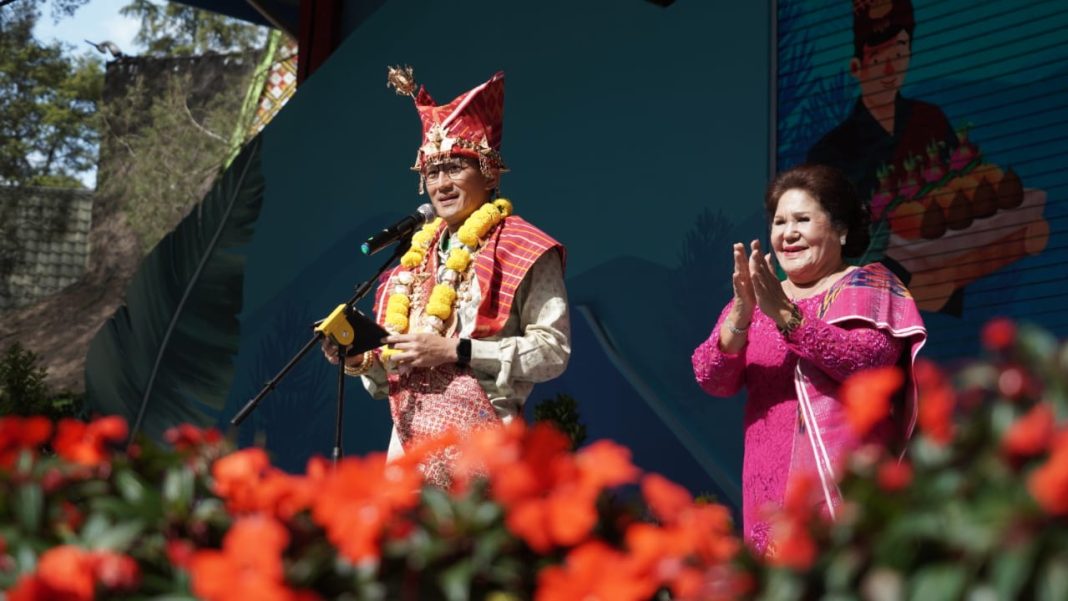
(791, 343)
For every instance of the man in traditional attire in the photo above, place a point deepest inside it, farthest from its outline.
(477, 309)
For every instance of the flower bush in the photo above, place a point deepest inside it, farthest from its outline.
(977, 509)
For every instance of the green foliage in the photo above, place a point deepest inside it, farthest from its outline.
(174, 340)
(173, 29)
(562, 412)
(966, 521)
(23, 390)
(48, 133)
(171, 140)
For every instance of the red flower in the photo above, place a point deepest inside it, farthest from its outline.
(187, 437)
(549, 494)
(894, 475)
(359, 498)
(866, 396)
(665, 498)
(593, 571)
(249, 566)
(999, 334)
(936, 402)
(792, 545)
(86, 444)
(66, 572)
(117, 572)
(180, 552)
(1049, 483)
(1031, 434)
(21, 434)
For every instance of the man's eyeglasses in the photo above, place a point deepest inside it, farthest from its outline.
(454, 169)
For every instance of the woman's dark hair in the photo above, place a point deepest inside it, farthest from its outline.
(835, 193)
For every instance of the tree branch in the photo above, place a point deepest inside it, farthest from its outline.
(201, 128)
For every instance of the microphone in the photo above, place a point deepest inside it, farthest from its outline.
(398, 230)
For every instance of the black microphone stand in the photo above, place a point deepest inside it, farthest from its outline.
(338, 327)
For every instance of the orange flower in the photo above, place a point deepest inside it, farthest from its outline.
(866, 396)
(359, 498)
(936, 402)
(1049, 483)
(86, 444)
(593, 571)
(692, 538)
(791, 544)
(999, 334)
(605, 464)
(665, 498)
(237, 477)
(66, 570)
(20, 434)
(249, 566)
(1031, 434)
(894, 475)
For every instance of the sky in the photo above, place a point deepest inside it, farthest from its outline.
(97, 21)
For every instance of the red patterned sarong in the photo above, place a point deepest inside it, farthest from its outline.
(426, 402)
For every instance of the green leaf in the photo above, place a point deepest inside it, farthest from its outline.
(29, 506)
(938, 582)
(456, 581)
(1053, 580)
(118, 537)
(1010, 569)
(178, 488)
(165, 357)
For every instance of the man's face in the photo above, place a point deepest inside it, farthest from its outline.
(881, 69)
(456, 188)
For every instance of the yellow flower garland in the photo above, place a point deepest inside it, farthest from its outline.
(439, 306)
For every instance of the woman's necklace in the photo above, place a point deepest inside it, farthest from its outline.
(439, 307)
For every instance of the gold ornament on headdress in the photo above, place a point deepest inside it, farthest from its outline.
(402, 79)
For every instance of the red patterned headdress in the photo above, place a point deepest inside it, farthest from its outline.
(468, 126)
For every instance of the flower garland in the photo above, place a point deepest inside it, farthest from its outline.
(439, 306)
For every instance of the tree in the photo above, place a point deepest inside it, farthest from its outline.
(173, 29)
(48, 134)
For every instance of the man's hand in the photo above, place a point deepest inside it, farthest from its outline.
(423, 350)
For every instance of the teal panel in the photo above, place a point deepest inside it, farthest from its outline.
(637, 136)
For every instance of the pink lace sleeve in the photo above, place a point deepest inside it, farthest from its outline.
(718, 373)
(842, 351)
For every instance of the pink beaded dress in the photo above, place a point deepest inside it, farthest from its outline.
(866, 319)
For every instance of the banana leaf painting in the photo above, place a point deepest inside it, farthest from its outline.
(166, 356)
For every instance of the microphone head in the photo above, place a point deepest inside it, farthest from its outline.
(427, 211)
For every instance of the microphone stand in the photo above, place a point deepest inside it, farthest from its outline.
(341, 332)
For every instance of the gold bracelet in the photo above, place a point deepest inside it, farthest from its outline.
(363, 367)
(793, 323)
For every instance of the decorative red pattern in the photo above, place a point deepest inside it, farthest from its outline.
(513, 247)
(481, 112)
(426, 402)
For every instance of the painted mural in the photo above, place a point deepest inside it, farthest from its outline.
(946, 117)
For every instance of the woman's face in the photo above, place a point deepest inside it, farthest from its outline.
(806, 242)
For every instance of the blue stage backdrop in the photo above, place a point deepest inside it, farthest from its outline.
(637, 136)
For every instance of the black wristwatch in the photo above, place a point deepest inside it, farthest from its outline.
(463, 351)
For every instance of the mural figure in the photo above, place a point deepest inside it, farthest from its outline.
(943, 216)
(826, 321)
(477, 310)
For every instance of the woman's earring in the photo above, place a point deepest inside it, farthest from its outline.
(842, 240)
